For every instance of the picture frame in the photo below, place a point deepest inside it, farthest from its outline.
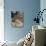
(17, 19)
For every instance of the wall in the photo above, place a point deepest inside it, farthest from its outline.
(42, 6)
(1, 20)
(29, 7)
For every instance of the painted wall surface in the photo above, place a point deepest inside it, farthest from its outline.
(1, 21)
(43, 6)
(30, 7)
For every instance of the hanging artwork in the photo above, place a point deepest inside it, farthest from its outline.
(17, 19)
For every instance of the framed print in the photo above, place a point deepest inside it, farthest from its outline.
(17, 19)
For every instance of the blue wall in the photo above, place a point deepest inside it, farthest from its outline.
(43, 6)
(29, 7)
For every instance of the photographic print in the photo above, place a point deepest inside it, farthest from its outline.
(17, 19)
